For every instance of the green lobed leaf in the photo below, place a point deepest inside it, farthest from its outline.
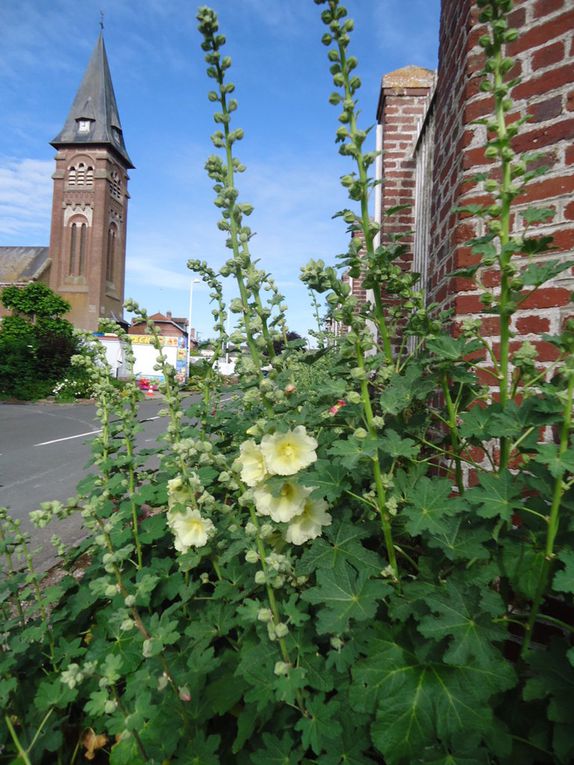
(497, 496)
(564, 579)
(427, 504)
(329, 478)
(457, 539)
(351, 451)
(395, 446)
(458, 613)
(419, 702)
(523, 565)
(277, 751)
(557, 463)
(343, 594)
(552, 681)
(537, 215)
(342, 543)
(318, 727)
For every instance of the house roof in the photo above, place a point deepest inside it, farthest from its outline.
(160, 318)
(22, 264)
(95, 102)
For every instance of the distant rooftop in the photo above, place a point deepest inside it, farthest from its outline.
(22, 264)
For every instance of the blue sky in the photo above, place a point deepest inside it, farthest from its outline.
(283, 83)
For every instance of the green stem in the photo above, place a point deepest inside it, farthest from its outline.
(505, 307)
(11, 571)
(22, 753)
(365, 217)
(273, 601)
(553, 518)
(453, 431)
(133, 507)
(40, 601)
(377, 473)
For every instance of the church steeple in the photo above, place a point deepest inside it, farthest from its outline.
(90, 202)
(94, 116)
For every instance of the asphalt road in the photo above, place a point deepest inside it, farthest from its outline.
(44, 451)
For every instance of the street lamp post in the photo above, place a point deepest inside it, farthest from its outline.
(193, 281)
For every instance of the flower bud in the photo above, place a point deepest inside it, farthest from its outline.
(266, 530)
(281, 630)
(251, 556)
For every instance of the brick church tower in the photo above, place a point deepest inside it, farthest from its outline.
(90, 201)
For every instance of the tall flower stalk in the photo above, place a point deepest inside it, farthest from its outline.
(222, 172)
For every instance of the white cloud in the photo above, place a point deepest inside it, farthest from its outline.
(149, 272)
(25, 197)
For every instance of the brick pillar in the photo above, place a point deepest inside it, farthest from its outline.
(545, 64)
(402, 106)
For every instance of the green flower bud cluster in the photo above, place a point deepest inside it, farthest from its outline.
(74, 675)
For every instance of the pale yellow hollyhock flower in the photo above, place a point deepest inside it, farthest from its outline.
(287, 453)
(253, 469)
(309, 524)
(284, 505)
(189, 529)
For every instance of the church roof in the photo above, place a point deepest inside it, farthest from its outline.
(95, 104)
(22, 264)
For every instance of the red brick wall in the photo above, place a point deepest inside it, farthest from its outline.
(402, 107)
(545, 64)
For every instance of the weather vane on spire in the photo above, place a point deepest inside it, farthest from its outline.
(102, 20)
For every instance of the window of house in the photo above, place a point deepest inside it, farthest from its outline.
(84, 126)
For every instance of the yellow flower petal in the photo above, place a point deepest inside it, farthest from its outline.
(309, 524)
(286, 504)
(287, 453)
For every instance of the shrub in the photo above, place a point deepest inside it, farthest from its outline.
(36, 343)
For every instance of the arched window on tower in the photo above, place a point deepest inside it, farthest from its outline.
(82, 249)
(77, 255)
(81, 175)
(111, 253)
(73, 248)
(116, 185)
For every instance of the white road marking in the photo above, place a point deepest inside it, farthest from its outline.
(80, 435)
(149, 419)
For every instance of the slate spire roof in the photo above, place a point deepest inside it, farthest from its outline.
(94, 116)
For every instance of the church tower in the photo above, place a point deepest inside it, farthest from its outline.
(90, 201)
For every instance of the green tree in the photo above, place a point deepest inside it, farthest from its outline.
(36, 342)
